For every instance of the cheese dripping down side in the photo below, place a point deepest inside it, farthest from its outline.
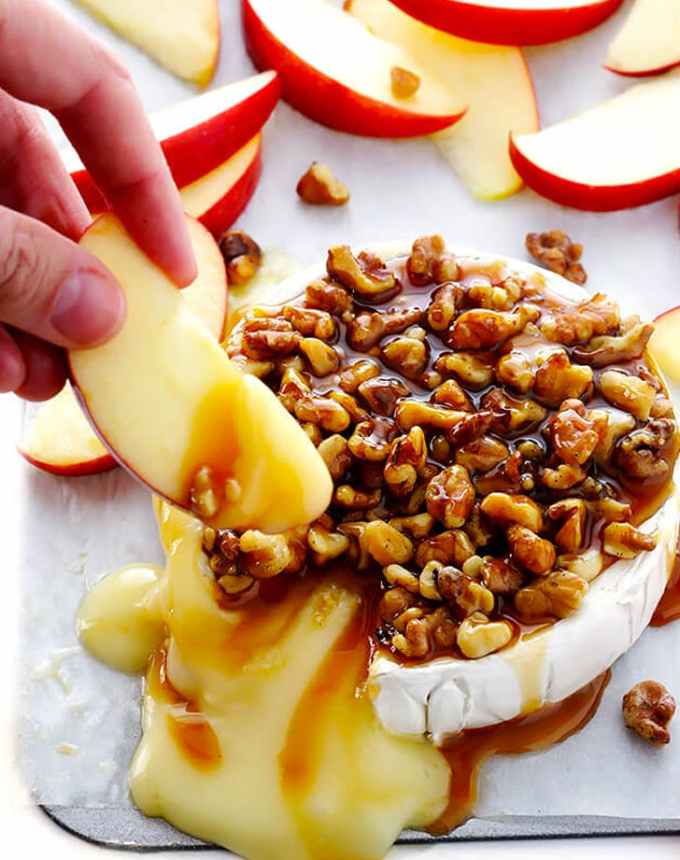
(256, 733)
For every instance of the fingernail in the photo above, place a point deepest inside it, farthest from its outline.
(89, 308)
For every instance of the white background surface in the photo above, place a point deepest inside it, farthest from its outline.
(399, 189)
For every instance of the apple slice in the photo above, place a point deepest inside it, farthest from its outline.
(60, 440)
(663, 344)
(200, 134)
(168, 403)
(511, 22)
(622, 153)
(184, 37)
(649, 42)
(334, 71)
(494, 81)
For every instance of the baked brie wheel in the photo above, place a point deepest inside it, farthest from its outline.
(502, 449)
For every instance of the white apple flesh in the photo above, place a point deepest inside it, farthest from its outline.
(622, 153)
(167, 402)
(665, 344)
(649, 41)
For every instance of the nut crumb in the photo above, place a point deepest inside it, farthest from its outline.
(319, 187)
(554, 250)
(242, 256)
(648, 708)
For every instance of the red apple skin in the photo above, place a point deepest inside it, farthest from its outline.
(228, 208)
(326, 101)
(647, 73)
(196, 151)
(500, 26)
(593, 198)
(75, 470)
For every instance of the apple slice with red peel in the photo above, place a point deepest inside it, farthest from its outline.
(663, 344)
(649, 41)
(200, 134)
(60, 440)
(335, 72)
(622, 153)
(494, 80)
(171, 407)
(182, 36)
(511, 22)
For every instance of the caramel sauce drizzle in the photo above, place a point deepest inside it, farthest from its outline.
(668, 609)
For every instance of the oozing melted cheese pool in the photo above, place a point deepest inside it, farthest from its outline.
(256, 736)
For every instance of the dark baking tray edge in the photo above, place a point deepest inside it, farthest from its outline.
(114, 827)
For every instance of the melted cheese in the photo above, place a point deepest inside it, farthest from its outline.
(254, 737)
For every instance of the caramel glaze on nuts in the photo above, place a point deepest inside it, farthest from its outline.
(481, 430)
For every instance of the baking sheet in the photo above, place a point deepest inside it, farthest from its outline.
(80, 720)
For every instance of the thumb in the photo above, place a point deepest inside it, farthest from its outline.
(54, 289)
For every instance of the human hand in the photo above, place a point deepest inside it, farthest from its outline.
(53, 294)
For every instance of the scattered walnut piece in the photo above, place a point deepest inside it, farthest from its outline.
(365, 275)
(648, 708)
(242, 256)
(560, 594)
(629, 393)
(554, 250)
(430, 263)
(405, 84)
(320, 187)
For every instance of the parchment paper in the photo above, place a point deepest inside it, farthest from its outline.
(79, 720)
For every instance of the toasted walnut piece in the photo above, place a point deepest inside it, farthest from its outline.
(242, 256)
(332, 298)
(405, 462)
(365, 331)
(477, 636)
(483, 454)
(415, 413)
(313, 432)
(531, 449)
(662, 407)
(506, 477)
(349, 404)
(310, 322)
(395, 601)
(574, 434)
(473, 568)
(206, 494)
(563, 477)
(554, 250)
(402, 620)
(499, 576)
(353, 499)
(440, 449)
(608, 349)
(472, 370)
(625, 541)
(357, 551)
(516, 370)
(474, 597)
(587, 564)
(441, 311)
(442, 628)
(570, 514)
(372, 439)
(365, 275)
(382, 394)
(531, 552)
(405, 84)
(618, 424)
(319, 187)
(429, 263)
(510, 413)
(571, 324)
(415, 641)
(612, 511)
(559, 594)
(262, 555)
(481, 293)
(452, 547)
(470, 427)
(386, 544)
(418, 526)
(293, 388)
(336, 455)
(557, 379)
(262, 344)
(483, 329)
(234, 584)
(648, 708)
(509, 510)
(322, 358)
(357, 372)
(407, 355)
(324, 411)
(428, 581)
(397, 575)
(450, 496)
(450, 394)
(639, 455)
(296, 539)
(478, 529)
(629, 393)
(325, 544)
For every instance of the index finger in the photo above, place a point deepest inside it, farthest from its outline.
(47, 60)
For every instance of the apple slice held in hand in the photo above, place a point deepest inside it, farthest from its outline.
(182, 36)
(494, 81)
(649, 41)
(511, 22)
(622, 153)
(173, 409)
(335, 72)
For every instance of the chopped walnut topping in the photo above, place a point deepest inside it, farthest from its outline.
(554, 250)
(372, 439)
(242, 256)
(509, 510)
(386, 544)
(395, 601)
(557, 379)
(449, 547)
(336, 455)
(322, 358)
(648, 708)
(574, 433)
(442, 308)
(264, 556)
(563, 477)
(205, 494)
(418, 526)
(531, 552)
(572, 324)
(269, 338)
(405, 462)
(310, 322)
(382, 394)
(412, 413)
(629, 393)
(560, 594)
(325, 544)
(365, 275)
(354, 499)
(482, 454)
(405, 84)
(477, 636)
(398, 576)
(570, 515)
(407, 355)
(473, 371)
(332, 298)
(639, 454)
(358, 372)
(483, 329)
(450, 496)
(609, 349)
(450, 394)
(510, 413)
(501, 577)
(319, 187)
(625, 541)
(430, 263)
